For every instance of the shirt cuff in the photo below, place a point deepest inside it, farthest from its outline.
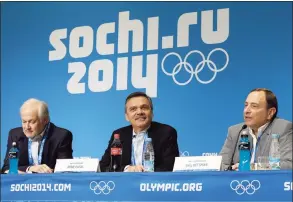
(126, 168)
(27, 170)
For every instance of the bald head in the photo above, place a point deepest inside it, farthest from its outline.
(35, 116)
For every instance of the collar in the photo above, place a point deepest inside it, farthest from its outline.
(39, 137)
(260, 129)
(134, 134)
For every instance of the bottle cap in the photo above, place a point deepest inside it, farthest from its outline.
(13, 144)
(275, 135)
(116, 136)
(244, 132)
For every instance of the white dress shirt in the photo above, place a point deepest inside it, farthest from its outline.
(254, 139)
(137, 143)
(35, 147)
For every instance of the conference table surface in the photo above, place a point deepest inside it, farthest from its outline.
(164, 186)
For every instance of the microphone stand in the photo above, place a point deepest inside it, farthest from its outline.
(230, 166)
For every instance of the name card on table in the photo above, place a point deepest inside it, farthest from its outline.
(77, 165)
(197, 163)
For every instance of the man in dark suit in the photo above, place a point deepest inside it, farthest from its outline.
(139, 112)
(39, 141)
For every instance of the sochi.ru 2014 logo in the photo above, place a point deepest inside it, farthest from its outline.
(245, 186)
(111, 63)
(102, 187)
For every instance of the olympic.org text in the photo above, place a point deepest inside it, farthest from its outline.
(40, 187)
(157, 187)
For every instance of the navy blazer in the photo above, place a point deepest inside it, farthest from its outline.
(58, 145)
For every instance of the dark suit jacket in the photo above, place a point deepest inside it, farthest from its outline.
(164, 139)
(58, 145)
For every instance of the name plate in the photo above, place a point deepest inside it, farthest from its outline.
(77, 165)
(197, 163)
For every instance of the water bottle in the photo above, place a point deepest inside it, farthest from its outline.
(13, 159)
(274, 155)
(244, 152)
(116, 154)
(149, 156)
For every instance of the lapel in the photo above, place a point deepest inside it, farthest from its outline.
(265, 141)
(152, 134)
(47, 144)
(263, 144)
(23, 149)
(152, 131)
(126, 140)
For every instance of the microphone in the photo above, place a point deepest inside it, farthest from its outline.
(230, 166)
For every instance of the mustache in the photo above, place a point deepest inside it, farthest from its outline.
(142, 116)
(28, 131)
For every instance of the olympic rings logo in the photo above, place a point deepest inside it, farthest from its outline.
(184, 153)
(245, 186)
(199, 67)
(102, 187)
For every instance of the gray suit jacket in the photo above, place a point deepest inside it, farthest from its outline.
(278, 126)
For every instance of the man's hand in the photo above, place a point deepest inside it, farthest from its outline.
(40, 169)
(138, 168)
(235, 166)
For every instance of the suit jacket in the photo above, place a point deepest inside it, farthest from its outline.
(164, 140)
(277, 126)
(58, 145)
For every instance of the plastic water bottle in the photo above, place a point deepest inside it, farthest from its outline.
(244, 152)
(116, 154)
(149, 156)
(274, 155)
(13, 159)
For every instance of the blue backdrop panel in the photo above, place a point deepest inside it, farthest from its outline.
(189, 186)
(198, 61)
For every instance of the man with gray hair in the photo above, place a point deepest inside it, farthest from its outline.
(139, 112)
(39, 141)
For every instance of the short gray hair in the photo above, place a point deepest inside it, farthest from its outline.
(139, 94)
(41, 106)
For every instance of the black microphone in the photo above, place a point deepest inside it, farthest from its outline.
(230, 166)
